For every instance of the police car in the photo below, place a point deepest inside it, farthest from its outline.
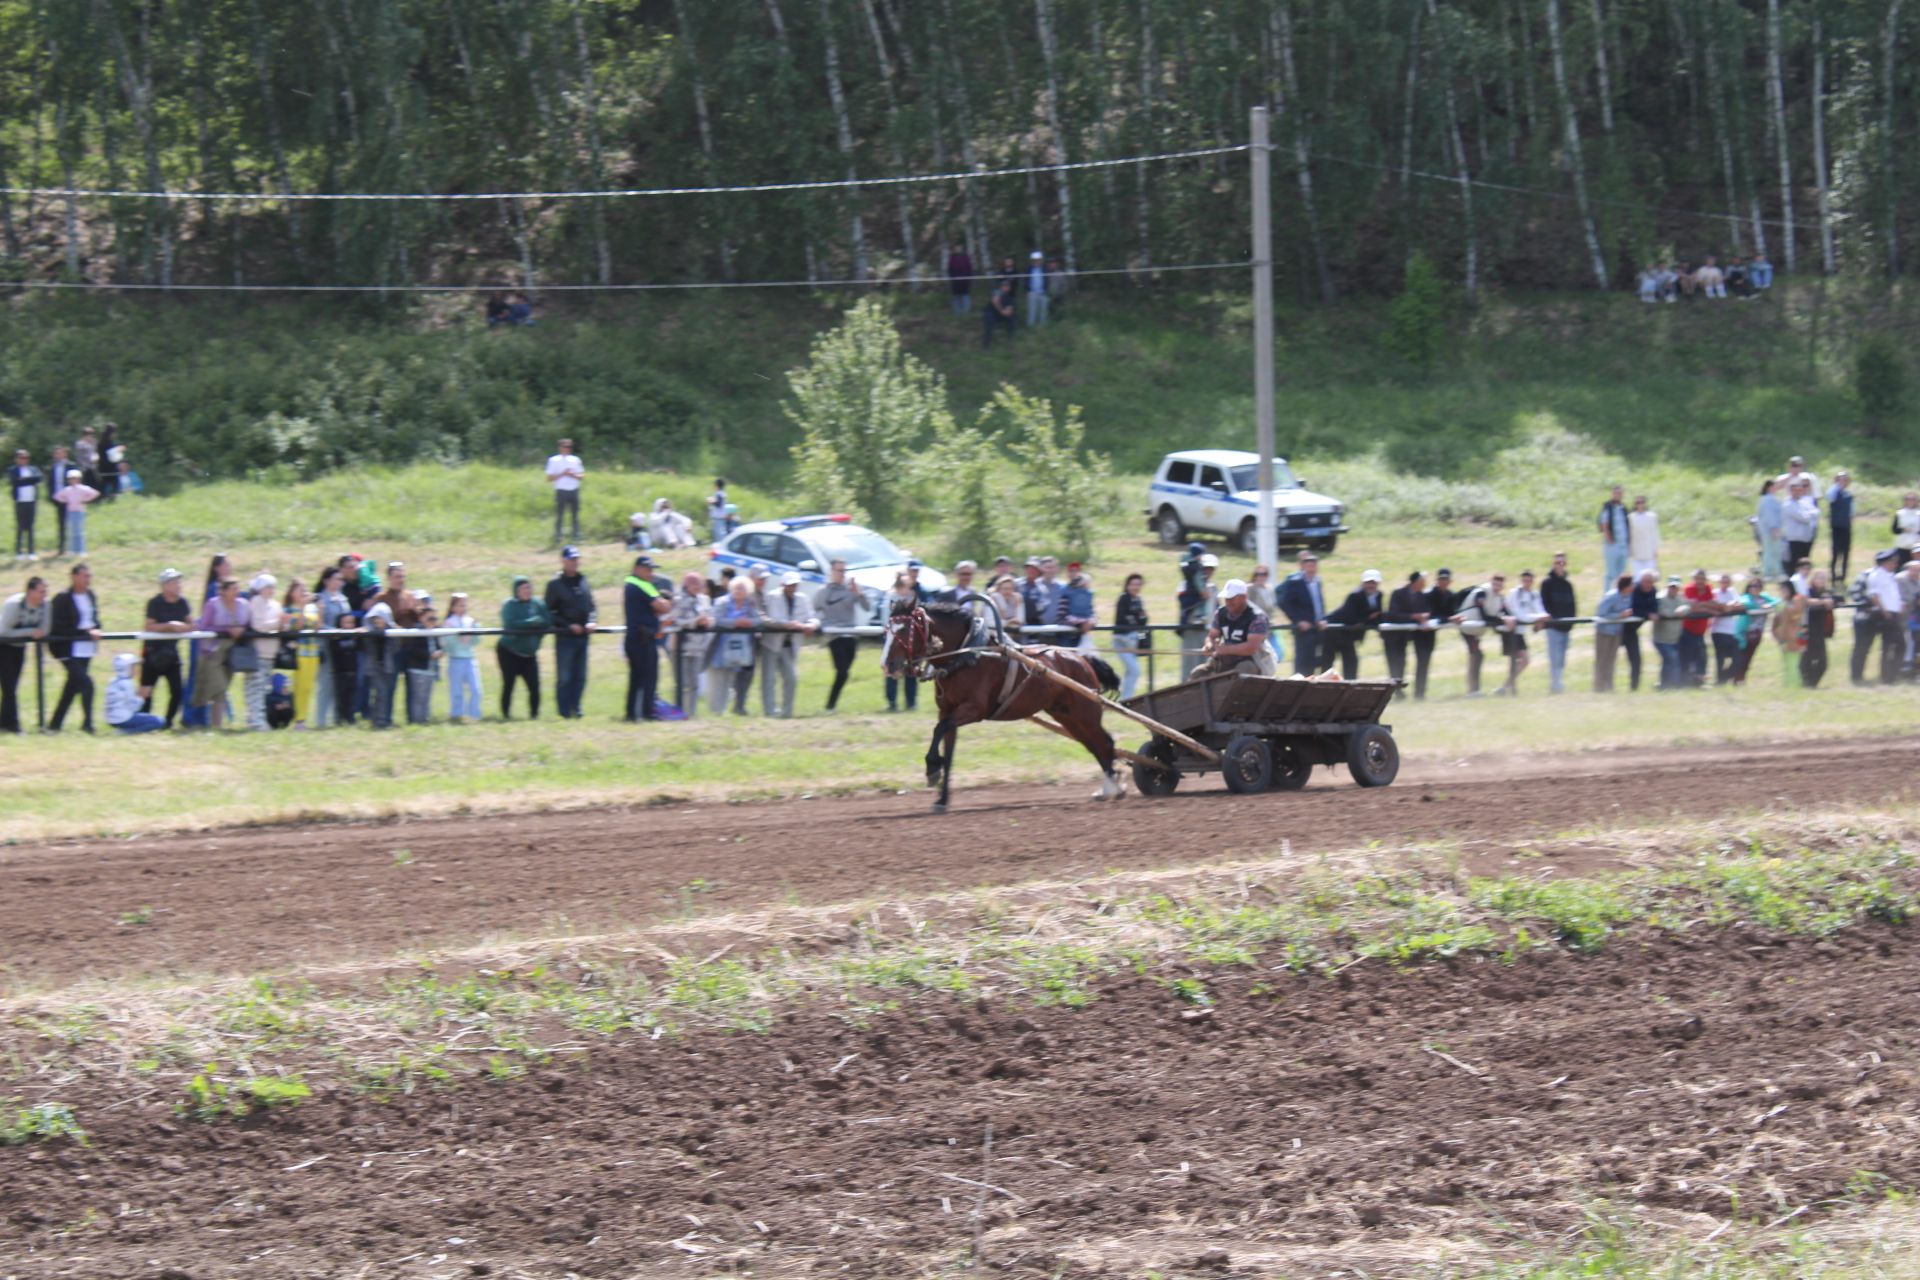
(808, 546)
(1218, 490)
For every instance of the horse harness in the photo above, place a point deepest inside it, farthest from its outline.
(981, 640)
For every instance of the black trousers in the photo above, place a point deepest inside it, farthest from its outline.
(23, 528)
(13, 660)
(1630, 645)
(1396, 644)
(1813, 659)
(1796, 552)
(1866, 629)
(1339, 644)
(159, 671)
(843, 649)
(79, 688)
(1726, 657)
(643, 677)
(1840, 554)
(1306, 652)
(513, 667)
(566, 502)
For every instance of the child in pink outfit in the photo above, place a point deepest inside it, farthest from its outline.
(75, 497)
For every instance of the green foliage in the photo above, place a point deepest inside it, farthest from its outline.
(210, 1097)
(865, 410)
(1061, 488)
(42, 1122)
(1417, 318)
(969, 499)
(1879, 382)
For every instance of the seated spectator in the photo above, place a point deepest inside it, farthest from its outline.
(639, 532)
(1648, 283)
(1669, 283)
(1761, 272)
(497, 309)
(1711, 279)
(669, 530)
(124, 698)
(1738, 283)
(128, 480)
(519, 311)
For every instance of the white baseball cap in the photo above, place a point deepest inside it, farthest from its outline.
(1371, 575)
(789, 579)
(1234, 587)
(1036, 255)
(1209, 562)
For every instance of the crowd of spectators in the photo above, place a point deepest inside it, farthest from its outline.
(95, 469)
(1743, 277)
(1043, 285)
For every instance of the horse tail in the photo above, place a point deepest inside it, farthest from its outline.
(1109, 679)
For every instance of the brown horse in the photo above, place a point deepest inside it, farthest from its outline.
(975, 681)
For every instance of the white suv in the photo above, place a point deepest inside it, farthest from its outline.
(1217, 491)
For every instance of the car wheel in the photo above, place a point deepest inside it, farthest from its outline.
(1250, 536)
(1149, 780)
(1373, 756)
(1247, 764)
(1172, 532)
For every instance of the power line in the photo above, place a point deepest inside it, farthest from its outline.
(91, 286)
(265, 197)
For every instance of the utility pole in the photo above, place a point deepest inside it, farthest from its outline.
(1268, 533)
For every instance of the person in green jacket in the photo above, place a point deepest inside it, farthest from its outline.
(527, 622)
(1751, 628)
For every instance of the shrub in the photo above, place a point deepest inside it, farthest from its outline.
(1417, 318)
(1063, 488)
(1879, 383)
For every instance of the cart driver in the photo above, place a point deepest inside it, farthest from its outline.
(1237, 637)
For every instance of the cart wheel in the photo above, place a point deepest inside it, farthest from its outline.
(1291, 768)
(1151, 781)
(1247, 764)
(1373, 756)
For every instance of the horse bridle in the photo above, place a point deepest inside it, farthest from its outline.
(911, 635)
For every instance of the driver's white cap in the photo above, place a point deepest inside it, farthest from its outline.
(1234, 587)
(1371, 575)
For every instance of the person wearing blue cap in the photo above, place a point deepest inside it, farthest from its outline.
(645, 604)
(570, 601)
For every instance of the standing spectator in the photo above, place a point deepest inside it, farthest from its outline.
(1046, 599)
(526, 622)
(1009, 273)
(1130, 635)
(731, 655)
(645, 603)
(564, 473)
(124, 697)
(791, 610)
(1840, 522)
(1887, 620)
(1005, 594)
(264, 615)
(719, 511)
(1643, 539)
(960, 587)
(1613, 607)
(1906, 528)
(406, 655)
(463, 668)
(1667, 631)
(1261, 592)
(997, 314)
(168, 613)
(23, 620)
(1819, 629)
(692, 621)
(960, 278)
(840, 606)
(1643, 607)
(59, 472)
(1769, 519)
(1557, 597)
(570, 601)
(1725, 631)
(1799, 520)
(1304, 601)
(1348, 625)
(195, 716)
(333, 690)
(299, 620)
(1482, 609)
(1613, 533)
(1529, 612)
(1201, 616)
(23, 482)
(86, 456)
(1079, 608)
(107, 467)
(1036, 289)
(73, 630)
(1750, 628)
(1407, 606)
(379, 662)
(225, 614)
(1909, 578)
(1796, 470)
(72, 498)
(904, 687)
(423, 663)
(1693, 632)
(1789, 626)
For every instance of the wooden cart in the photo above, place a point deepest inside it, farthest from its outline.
(1264, 734)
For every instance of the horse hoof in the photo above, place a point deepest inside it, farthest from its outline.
(939, 808)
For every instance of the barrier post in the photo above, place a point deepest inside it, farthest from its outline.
(40, 684)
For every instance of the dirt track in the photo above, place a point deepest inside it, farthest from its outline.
(281, 898)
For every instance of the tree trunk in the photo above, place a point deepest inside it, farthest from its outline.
(1283, 32)
(1890, 216)
(704, 122)
(903, 207)
(1777, 101)
(1822, 188)
(843, 131)
(977, 236)
(590, 116)
(1043, 11)
(72, 212)
(1717, 113)
(1576, 163)
(1601, 80)
(1143, 200)
(1471, 283)
(1406, 121)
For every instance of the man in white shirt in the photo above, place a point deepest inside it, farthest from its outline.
(792, 609)
(1643, 539)
(1529, 612)
(1800, 519)
(1889, 620)
(564, 470)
